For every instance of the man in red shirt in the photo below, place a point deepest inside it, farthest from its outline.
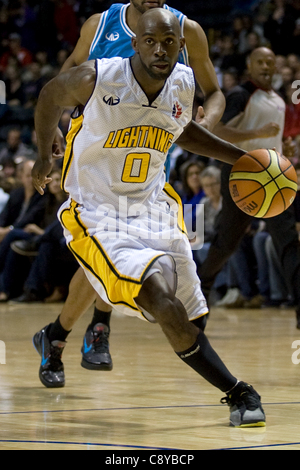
(16, 50)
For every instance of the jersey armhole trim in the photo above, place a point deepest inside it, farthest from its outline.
(185, 51)
(99, 31)
(123, 22)
(95, 86)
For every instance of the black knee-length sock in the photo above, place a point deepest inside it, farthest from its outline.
(203, 359)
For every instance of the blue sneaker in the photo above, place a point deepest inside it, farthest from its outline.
(95, 349)
(52, 369)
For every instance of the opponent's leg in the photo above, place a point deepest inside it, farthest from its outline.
(95, 349)
(193, 347)
(51, 340)
(81, 297)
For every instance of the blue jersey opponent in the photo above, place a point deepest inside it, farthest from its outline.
(113, 35)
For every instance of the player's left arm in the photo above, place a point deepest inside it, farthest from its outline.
(69, 89)
(196, 139)
(197, 45)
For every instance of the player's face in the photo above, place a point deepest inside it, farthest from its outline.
(144, 5)
(159, 48)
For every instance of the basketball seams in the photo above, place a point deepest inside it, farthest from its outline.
(260, 163)
(281, 173)
(275, 173)
(251, 194)
(291, 166)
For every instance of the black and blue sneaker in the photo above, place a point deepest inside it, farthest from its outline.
(95, 349)
(51, 372)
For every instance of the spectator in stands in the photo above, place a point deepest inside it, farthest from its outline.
(14, 86)
(281, 27)
(66, 24)
(16, 50)
(33, 84)
(53, 267)
(14, 268)
(230, 80)
(15, 151)
(211, 205)
(192, 194)
(211, 184)
(25, 206)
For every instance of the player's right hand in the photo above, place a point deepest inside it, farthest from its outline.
(40, 172)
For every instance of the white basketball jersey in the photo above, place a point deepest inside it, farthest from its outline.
(119, 146)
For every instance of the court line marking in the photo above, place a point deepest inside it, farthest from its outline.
(288, 444)
(136, 447)
(86, 444)
(132, 408)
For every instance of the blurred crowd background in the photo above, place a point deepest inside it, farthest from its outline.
(36, 37)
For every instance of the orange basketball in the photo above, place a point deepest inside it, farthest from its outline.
(263, 183)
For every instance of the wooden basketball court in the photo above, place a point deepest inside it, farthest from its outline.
(150, 400)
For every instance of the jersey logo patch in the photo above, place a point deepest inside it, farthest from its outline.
(112, 36)
(177, 110)
(111, 100)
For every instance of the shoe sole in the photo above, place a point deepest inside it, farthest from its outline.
(24, 253)
(49, 384)
(259, 424)
(46, 384)
(99, 367)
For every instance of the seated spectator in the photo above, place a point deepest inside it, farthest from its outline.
(66, 23)
(287, 77)
(16, 50)
(14, 86)
(230, 80)
(14, 269)
(211, 184)
(33, 83)
(15, 151)
(52, 269)
(41, 57)
(271, 283)
(242, 280)
(25, 206)
(279, 28)
(192, 193)
(212, 204)
(281, 63)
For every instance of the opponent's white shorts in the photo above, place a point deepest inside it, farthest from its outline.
(118, 261)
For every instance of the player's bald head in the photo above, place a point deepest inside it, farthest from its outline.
(158, 18)
(158, 43)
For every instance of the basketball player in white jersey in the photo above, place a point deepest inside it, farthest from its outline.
(109, 35)
(134, 110)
